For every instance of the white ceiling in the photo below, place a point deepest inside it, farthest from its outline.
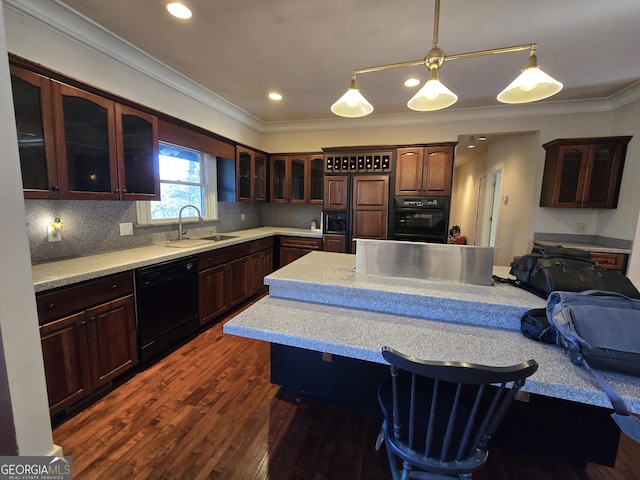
(306, 49)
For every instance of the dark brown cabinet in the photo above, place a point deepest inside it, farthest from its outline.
(251, 175)
(104, 150)
(88, 337)
(424, 171)
(370, 206)
(296, 178)
(336, 192)
(334, 243)
(223, 280)
(611, 261)
(74, 144)
(260, 263)
(292, 248)
(34, 125)
(583, 172)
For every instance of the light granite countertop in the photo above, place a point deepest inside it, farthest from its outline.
(319, 303)
(591, 247)
(69, 271)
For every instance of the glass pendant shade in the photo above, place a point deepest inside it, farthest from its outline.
(531, 85)
(352, 104)
(432, 96)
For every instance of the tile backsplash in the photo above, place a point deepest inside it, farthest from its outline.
(92, 226)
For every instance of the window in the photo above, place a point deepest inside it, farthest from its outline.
(187, 177)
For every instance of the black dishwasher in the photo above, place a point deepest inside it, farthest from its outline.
(167, 305)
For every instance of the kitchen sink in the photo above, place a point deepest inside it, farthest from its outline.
(218, 238)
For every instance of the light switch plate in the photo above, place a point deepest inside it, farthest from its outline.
(126, 229)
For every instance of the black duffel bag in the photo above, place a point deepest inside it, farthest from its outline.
(576, 275)
(549, 269)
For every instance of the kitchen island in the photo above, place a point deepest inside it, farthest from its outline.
(320, 310)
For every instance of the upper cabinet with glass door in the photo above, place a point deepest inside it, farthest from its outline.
(251, 179)
(105, 150)
(34, 125)
(297, 178)
(583, 172)
(78, 145)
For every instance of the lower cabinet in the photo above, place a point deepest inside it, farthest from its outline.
(334, 243)
(230, 275)
(611, 261)
(261, 265)
(292, 248)
(86, 346)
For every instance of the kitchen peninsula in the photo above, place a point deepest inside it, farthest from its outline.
(320, 310)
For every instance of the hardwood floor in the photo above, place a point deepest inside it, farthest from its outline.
(208, 411)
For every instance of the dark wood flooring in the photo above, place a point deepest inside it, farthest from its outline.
(208, 411)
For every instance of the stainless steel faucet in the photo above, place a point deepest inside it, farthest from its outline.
(181, 232)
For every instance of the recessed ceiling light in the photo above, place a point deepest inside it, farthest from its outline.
(412, 82)
(471, 146)
(275, 96)
(482, 139)
(179, 10)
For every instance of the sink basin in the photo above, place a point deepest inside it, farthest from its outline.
(186, 243)
(218, 238)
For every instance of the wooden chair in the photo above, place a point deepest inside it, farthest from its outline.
(439, 416)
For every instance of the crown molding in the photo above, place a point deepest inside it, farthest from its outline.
(81, 30)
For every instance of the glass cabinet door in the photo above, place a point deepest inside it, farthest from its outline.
(604, 162)
(137, 154)
(571, 176)
(244, 175)
(260, 178)
(316, 179)
(85, 143)
(34, 125)
(298, 175)
(278, 179)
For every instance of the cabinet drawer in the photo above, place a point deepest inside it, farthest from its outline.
(222, 255)
(300, 242)
(78, 297)
(261, 244)
(612, 261)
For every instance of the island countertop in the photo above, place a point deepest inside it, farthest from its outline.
(319, 303)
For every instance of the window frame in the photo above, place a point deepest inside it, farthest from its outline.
(210, 201)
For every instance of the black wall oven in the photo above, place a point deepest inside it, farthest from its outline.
(421, 219)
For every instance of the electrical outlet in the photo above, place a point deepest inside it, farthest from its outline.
(243, 216)
(53, 235)
(581, 227)
(126, 229)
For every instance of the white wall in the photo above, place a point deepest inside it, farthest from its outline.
(516, 156)
(18, 316)
(626, 119)
(464, 198)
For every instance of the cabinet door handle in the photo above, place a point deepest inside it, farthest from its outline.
(51, 306)
(114, 286)
(55, 188)
(83, 322)
(92, 319)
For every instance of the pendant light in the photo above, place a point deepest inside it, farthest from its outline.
(531, 85)
(352, 104)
